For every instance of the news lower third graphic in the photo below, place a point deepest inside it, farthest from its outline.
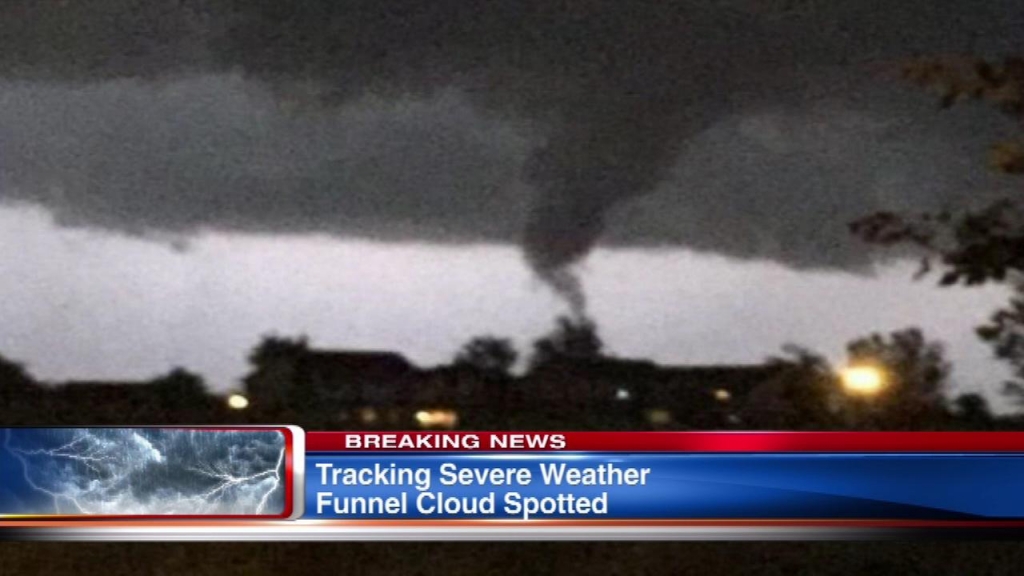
(663, 486)
(141, 472)
(671, 477)
(280, 483)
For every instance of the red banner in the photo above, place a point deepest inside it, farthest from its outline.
(666, 441)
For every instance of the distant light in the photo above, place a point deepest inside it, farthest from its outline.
(238, 402)
(659, 417)
(368, 415)
(863, 380)
(437, 418)
(622, 394)
(723, 395)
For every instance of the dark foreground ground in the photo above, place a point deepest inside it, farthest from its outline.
(902, 559)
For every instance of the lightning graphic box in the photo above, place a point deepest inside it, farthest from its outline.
(148, 472)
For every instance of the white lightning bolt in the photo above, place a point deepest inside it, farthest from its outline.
(227, 480)
(275, 482)
(22, 456)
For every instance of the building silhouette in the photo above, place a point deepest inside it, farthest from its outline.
(358, 389)
(175, 399)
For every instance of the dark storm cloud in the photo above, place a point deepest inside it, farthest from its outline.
(783, 184)
(752, 128)
(215, 152)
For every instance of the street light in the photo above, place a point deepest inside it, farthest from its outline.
(238, 402)
(862, 380)
(436, 418)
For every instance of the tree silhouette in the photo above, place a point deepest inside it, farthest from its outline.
(13, 375)
(572, 339)
(973, 411)
(273, 348)
(806, 393)
(972, 248)
(976, 246)
(181, 395)
(21, 399)
(276, 352)
(979, 246)
(802, 395)
(1005, 333)
(490, 355)
(915, 374)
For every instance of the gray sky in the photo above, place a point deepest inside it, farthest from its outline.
(88, 304)
(407, 175)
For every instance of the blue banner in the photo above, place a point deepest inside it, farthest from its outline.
(616, 486)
